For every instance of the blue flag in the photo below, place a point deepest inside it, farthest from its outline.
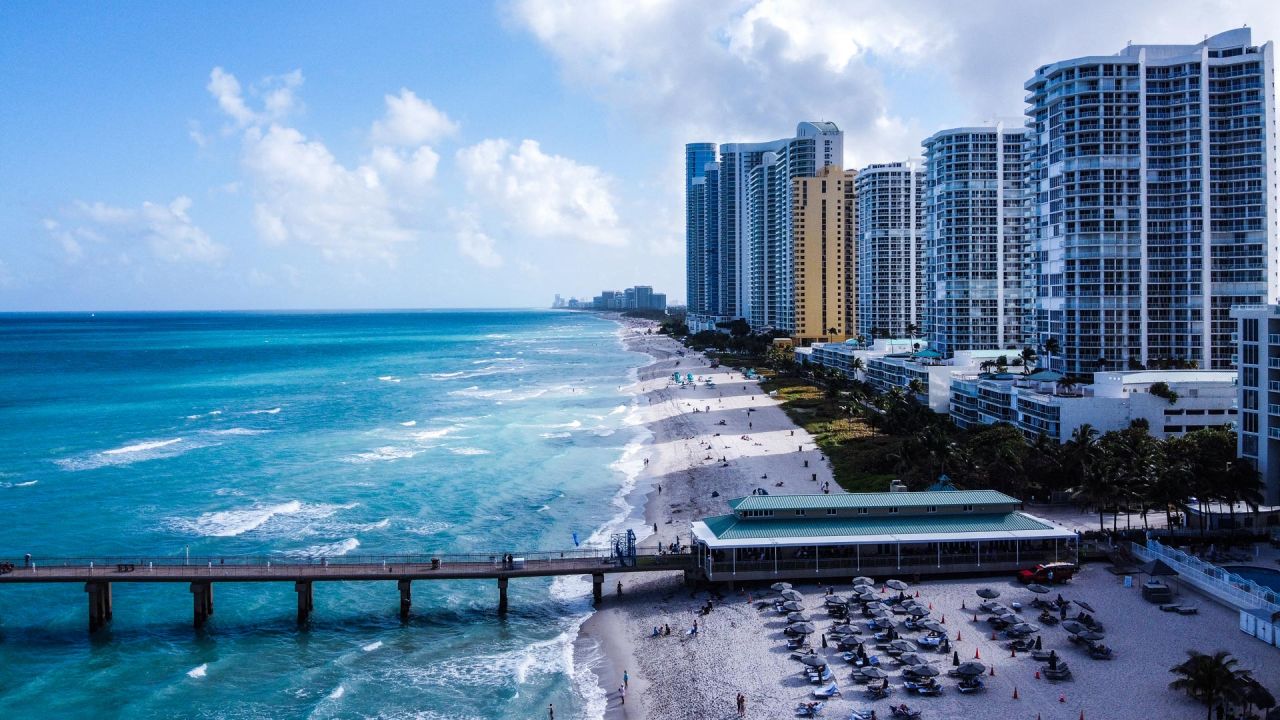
(575, 538)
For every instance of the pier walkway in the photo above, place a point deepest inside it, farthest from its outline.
(98, 574)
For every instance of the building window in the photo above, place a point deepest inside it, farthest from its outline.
(1249, 421)
(831, 511)
(862, 511)
(968, 508)
(1249, 376)
(799, 512)
(1250, 328)
(893, 510)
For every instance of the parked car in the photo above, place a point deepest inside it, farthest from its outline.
(1047, 573)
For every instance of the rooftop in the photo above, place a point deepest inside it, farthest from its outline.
(938, 498)
(916, 528)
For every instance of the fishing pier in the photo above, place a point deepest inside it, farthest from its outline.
(100, 574)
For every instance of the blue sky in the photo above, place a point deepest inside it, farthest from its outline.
(302, 155)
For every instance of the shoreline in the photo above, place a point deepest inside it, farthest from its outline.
(689, 455)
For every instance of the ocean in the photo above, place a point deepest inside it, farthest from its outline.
(305, 435)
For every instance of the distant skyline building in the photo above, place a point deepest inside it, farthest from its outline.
(639, 297)
(890, 249)
(823, 221)
(701, 248)
(754, 265)
(976, 216)
(1155, 186)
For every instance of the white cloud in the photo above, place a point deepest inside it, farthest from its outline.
(546, 196)
(473, 242)
(276, 91)
(411, 121)
(732, 71)
(305, 195)
(166, 230)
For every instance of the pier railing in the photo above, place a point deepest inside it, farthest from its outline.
(141, 561)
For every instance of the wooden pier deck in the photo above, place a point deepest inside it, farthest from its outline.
(99, 574)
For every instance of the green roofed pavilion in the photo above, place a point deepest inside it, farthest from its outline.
(931, 532)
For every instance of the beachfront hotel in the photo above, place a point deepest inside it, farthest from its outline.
(1153, 172)
(702, 227)
(738, 224)
(890, 250)
(1258, 369)
(977, 205)
(888, 533)
(823, 218)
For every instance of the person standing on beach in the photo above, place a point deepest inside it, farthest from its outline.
(622, 694)
(551, 711)
(626, 679)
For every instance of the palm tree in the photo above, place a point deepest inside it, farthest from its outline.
(1082, 459)
(1029, 357)
(912, 329)
(916, 387)
(1051, 347)
(1066, 384)
(1210, 678)
(986, 365)
(856, 366)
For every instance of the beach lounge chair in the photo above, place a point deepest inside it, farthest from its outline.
(1041, 655)
(971, 685)
(1188, 610)
(860, 715)
(904, 713)
(877, 691)
(827, 692)
(810, 709)
(817, 677)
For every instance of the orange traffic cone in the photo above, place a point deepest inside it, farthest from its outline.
(1015, 692)
(1063, 698)
(993, 634)
(977, 654)
(993, 671)
(957, 636)
(944, 619)
(1081, 715)
(962, 607)
(930, 606)
(883, 589)
(1013, 652)
(1037, 674)
(917, 593)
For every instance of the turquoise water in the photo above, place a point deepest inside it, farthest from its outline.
(1263, 576)
(306, 435)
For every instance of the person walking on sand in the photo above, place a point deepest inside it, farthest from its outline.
(742, 705)
(622, 694)
(619, 588)
(626, 679)
(551, 711)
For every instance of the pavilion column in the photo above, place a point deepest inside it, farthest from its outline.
(939, 546)
(1017, 552)
(979, 542)
(775, 560)
(898, 547)
(817, 569)
(857, 549)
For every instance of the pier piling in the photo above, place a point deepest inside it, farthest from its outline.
(201, 603)
(406, 597)
(597, 586)
(502, 595)
(306, 600)
(99, 604)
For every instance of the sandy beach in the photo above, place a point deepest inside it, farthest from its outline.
(741, 649)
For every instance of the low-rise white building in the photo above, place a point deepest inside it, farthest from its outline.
(1039, 404)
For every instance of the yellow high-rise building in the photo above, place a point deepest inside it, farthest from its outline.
(824, 225)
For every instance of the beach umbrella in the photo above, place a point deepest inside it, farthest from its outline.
(1037, 588)
(884, 622)
(802, 628)
(874, 672)
(896, 585)
(922, 671)
(863, 580)
(933, 626)
(1084, 605)
(792, 606)
(913, 658)
(780, 586)
(842, 629)
(1023, 628)
(1073, 626)
(792, 595)
(989, 606)
(876, 606)
(917, 611)
(866, 597)
(813, 661)
(1090, 635)
(988, 593)
(798, 616)
(881, 613)
(971, 669)
(836, 601)
(903, 645)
